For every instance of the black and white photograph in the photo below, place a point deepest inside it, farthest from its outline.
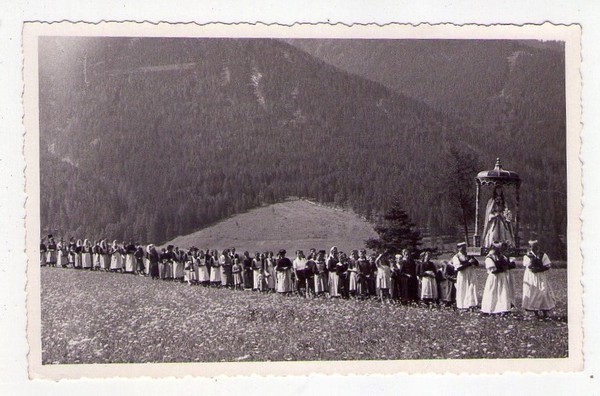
(287, 198)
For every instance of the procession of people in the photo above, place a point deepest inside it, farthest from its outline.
(401, 278)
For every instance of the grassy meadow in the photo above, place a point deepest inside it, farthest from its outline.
(96, 317)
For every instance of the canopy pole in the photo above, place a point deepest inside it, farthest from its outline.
(517, 241)
(476, 241)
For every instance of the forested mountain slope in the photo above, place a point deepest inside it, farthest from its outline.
(149, 138)
(510, 94)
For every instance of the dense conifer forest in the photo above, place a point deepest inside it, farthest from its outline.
(147, 139)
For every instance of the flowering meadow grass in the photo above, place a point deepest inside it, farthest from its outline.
(96, 317)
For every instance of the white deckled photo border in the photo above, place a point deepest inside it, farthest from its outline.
(571, 35)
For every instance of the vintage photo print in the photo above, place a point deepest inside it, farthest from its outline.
(256, 199)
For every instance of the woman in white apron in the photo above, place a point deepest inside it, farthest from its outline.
(429, 289)
(496, 293)
(86, 255)
(190, 267)
(130, 261)
(62, 254)
(215, 272)
(105, 254)
(116, 258)
(203, 268)
(52, 256)
(538, 296)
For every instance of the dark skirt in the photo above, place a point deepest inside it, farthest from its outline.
(154, 269)
(248, 278)
(408, 289)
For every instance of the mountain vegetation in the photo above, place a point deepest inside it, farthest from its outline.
(147, 139)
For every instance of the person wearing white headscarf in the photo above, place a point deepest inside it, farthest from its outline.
(86, 255)
(203, 267)
(496, 293)
(116, 259)
(466, 278)
(538, 296)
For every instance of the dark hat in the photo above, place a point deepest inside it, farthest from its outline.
(282, 252)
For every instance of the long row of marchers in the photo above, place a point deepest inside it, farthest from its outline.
(395, 278)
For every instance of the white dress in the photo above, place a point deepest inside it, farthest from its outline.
(284, 281)
(190, 273)
(62, 257)
(383, 277)
(215, 272)
(116, 260)
(256, 275)
(466, 289)
(178, 269)
(130, 262)
(496, 293)
(537, 292)
(86, 259)
(203, 275)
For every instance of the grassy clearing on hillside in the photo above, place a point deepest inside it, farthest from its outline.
(92, 317)
(291, 225)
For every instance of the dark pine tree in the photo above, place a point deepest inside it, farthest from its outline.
(396, 232)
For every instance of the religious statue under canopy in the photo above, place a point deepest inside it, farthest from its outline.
(498, 221)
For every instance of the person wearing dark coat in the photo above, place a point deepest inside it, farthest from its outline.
(408, 281)
(139, 260)
(247, 271)
(153, 261)
(364, 274)
(43, 255)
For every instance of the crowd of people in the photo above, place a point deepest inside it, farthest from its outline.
(399, 278)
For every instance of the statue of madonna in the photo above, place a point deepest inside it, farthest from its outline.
(498, 226)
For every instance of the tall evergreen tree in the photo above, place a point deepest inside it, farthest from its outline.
(396, 232)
